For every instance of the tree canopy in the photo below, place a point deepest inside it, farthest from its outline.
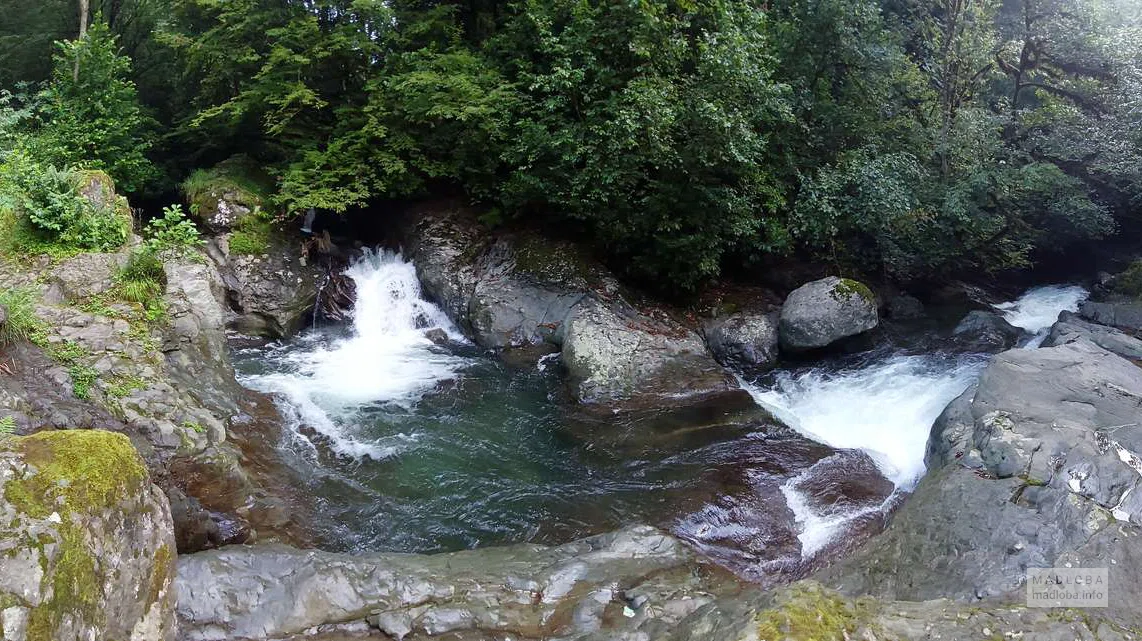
(917, 140)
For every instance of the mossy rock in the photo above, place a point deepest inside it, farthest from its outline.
(1129, 282)
(81, 502)
(554, 262)
(75, 469)
(222, 196)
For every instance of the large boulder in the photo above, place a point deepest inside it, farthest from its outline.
(631, 579)
(824, 311)
(85, 275)
(986, 332)
(612, 358)
(1071, 327)
(87, 549)
(746, 341)
(270, 293)
(519, 290)
(1038, 466)
(1125, 315)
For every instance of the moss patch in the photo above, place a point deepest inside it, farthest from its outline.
(812, 614)
(552, 262)
(252, 235)
(75, 471)
(87, 470)
(848, 287)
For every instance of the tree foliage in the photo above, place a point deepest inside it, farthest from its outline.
(920, 140)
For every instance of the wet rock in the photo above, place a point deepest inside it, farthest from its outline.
(87, 550)
(512, 291)
(195, 344)
(3, 317)
(1123, 315)
(963, 295)
(905, 307)
(1039, 467)
(1072, 327)
(806, 610)
(611, 359)
(270, 294)
(520, 591)
(824, 311)
(986, 332)
(844, 482)
(747, 341)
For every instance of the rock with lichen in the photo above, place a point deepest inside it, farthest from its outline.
(87, 549)
(824, 311)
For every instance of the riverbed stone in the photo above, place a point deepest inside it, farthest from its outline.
(612, 358)
(824, 311)
(984, 331)
(87, 547)
(521, 591)
(746, 341)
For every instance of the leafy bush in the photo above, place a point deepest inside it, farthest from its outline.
(7, 426)
(142, 280)
(172, 234)
(22, 323)
(46, 206)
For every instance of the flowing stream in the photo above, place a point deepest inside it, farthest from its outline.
(411, 439)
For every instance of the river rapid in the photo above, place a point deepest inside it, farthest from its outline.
(410, 439)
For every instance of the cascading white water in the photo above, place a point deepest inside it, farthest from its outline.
(1038, 308)
(386, 359)
(886, 407)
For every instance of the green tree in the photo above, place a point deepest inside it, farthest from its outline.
(93, 119)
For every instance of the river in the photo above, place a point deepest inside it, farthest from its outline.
(415, 445)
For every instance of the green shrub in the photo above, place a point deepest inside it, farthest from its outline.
(1129, 282)
(7, 426)
(22, 323)
(45, 210)
(172, 234)
(142, 280)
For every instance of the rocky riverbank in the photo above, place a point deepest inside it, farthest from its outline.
(1036, 465)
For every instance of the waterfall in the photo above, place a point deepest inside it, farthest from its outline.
(1038, 308)
(385, 358)
(886, 405)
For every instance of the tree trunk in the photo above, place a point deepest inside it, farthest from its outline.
(84, 9)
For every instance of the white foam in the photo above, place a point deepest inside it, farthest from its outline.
(386, 359)
(818, 530)
(885, 409)
(1039, 307)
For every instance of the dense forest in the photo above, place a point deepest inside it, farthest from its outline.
(683, 138)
